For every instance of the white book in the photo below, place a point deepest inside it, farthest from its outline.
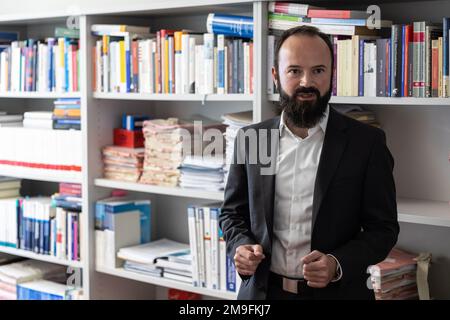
(270, 62)
(100, 248)
(4, 72)
(113, 84)
(52, 236)
(207, 244)
(185, 66)
(178, 65)
(199, 72)
(152, 66)
(98, 66)
(214, 214)
(199, 219)
(222, 262)
(105, 65)
(114, 28)
(192, 67)
(193, 245)
(208, 63)
(42, 115)
(246, 67)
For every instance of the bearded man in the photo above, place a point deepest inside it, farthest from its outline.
(310, 229)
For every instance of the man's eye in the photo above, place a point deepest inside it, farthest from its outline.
(294, 71)
(317, 71)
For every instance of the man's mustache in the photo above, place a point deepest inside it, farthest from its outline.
(301, 90)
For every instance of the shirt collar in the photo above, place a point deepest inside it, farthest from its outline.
(322, 124)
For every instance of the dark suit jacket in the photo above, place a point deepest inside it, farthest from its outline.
(354, 207)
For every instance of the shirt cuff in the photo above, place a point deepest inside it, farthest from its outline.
(338, 275)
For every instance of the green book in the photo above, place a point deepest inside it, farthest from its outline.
(67, 33)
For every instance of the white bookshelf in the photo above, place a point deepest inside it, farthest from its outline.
(168, 191)
(174, 97)
(169, 283)
(39, 95)
(40, 174)
(400, 101)
(434, 213)
(40, 257)
(417, 138)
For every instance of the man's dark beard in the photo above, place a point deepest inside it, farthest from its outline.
(304, 114)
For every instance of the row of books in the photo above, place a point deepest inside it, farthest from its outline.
(34, 280)
(48, 65)
(212, 268)
(55, 150)
(44, 225)
(398, 60)
(173, 62)
(9, 188)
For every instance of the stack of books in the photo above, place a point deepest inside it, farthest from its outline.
(38, 120)
(165, 141)
(203, 172)
(10, 120)
(144, 259)
(9, 187)
(13, 275)
(67, 114)
(176, 266)
(234, 122)
(122, 163)
(395, 277)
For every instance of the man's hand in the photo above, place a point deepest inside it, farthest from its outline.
(247, 259)
(318, 269)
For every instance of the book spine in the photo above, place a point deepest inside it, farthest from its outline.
(193, 245)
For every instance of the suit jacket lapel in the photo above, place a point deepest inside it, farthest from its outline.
(332, 149)
(268, 180)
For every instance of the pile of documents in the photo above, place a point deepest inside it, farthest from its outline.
(9, 187)
(234, 122)
(160, 258)
(203, 172)
(168, 142)
(121, 163)
(395, 277)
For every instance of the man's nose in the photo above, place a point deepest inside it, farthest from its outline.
(306, 80)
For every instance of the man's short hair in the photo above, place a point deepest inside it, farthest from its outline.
(303, 30)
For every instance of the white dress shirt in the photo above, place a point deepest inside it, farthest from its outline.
(297, 164)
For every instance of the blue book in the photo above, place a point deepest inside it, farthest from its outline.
(128, 63)
(68, 121)
(8, 36)
(230, 25)
(402, 86)
(231, 275)
(445, 62)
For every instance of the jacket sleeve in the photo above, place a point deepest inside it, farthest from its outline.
(378, 216)
(234, 218)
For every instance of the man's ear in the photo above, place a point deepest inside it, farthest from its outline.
(274, 77)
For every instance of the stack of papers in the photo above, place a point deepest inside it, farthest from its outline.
(148, 258)
(203, 173)
(234, 122)
(395, 277)
(124, 164)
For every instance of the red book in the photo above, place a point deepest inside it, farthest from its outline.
(134, 57)
(434, 68)
(337, 14)
(128, 138)
(408, 40)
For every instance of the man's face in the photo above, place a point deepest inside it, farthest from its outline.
(304, 79)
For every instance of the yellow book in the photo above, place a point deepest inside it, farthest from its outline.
(166, 64)
(122, 66)
(67, 112)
